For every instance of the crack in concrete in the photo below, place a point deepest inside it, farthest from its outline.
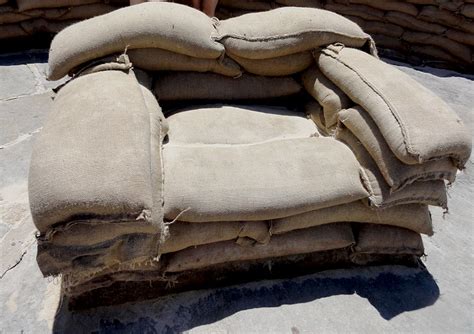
(20, 138)
(13, 266)
(39, 86)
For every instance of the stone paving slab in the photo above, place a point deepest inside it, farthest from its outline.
(376, 299)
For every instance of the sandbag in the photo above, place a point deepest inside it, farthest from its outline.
(278, 66)
(73, 13)
(383, 239)
(389, 6)
(129, 248)
(413, 23)
(326, 237)
(434, 53)
(99, 244)
(98, 154)
(287, 30)
(456, 49)
(445, 17)
(227, 124)
(415, 217)
(41, 25)
(224, 13)
(407, 114)
(9, 14)
(154, 59)
(33, 4)
(167, 26)
(395, 173)
(361, 11)
(184, 235)
(175, 86)
(389, 42)
(300, 3)
(460, 36)
(261, 181)
(328, 95)
(468, 11)
(380, 28)
(421, 192)
(253, 5)
(12, 31)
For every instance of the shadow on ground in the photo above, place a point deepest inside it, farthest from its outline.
(391, 290)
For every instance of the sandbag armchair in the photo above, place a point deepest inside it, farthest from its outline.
(187, 152)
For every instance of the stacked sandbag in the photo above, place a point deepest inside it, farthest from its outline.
(266, 149)
(369, 105)
(274, 43)
(23, 18)
(435, 32)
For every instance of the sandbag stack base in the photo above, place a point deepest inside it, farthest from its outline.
(229, 274)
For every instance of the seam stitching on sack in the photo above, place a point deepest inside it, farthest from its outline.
(49, 234)
(284, 36)
(395, 114)
(416, 200)
(397, 183)
(455, 156)
(406, 140)
(423, 177)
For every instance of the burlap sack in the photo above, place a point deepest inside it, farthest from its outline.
(390, 42)
(417, 125)
(175, 86)
(278, 66)
(286, 31)
(98, 154)
(398, 6)
(378, 28)
(253, 5)
(301, 3)
(395, 173)
(468, 11)
(34, 26)
(224, 124)
(33, 4)
(423, 192)
(262, 181)
(93, 246)
(328, 95)
(73, 13)
(326, 237)
(460, 36)
(184, 235)
(413, 23)
(12, 31)
(87, 260)
(433, 52)
(382, 239)
(78, 232)
(9, 14)
(414, 217)
(167, 26)
(445, 17)
(361, 11)
(163, 60)
(456, 49)
(224, 13)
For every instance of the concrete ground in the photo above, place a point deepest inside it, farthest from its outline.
(375, 299)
